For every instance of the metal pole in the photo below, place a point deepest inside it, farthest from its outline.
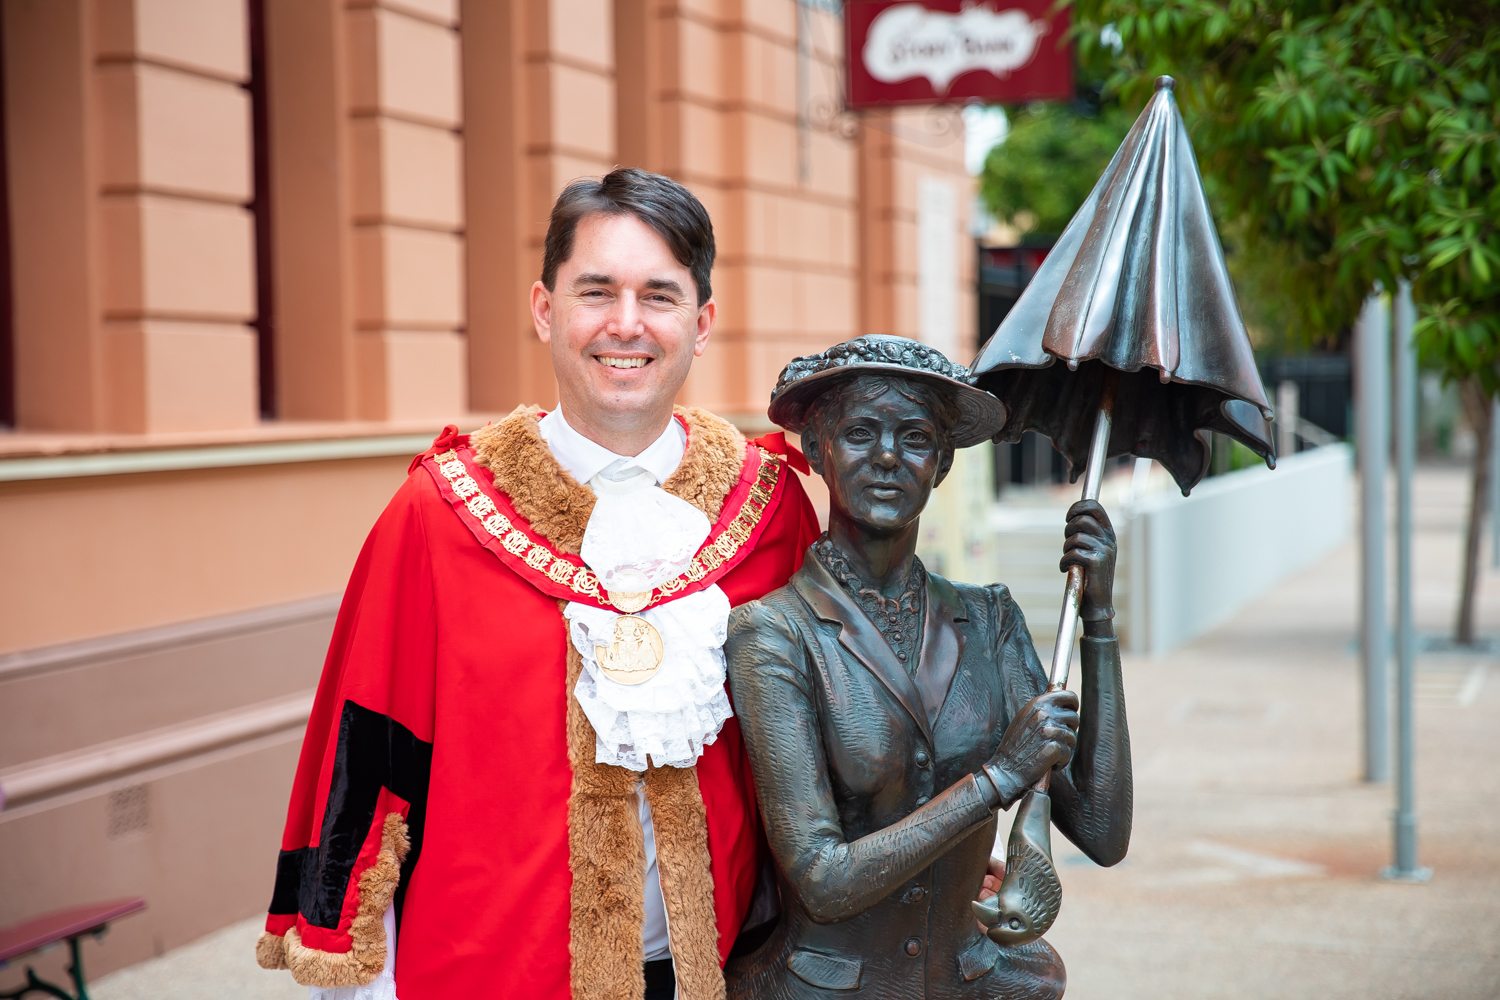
(1405, 385)
(1495, 485)
(1373, 345)
(1093, 478)
(1286, 418)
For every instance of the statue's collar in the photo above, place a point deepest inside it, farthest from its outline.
(942, 641)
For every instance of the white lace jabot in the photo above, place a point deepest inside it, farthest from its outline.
(639, 536)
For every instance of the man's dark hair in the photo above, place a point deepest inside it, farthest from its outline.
(670, 209)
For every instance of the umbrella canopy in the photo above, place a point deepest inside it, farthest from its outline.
(1137, 284)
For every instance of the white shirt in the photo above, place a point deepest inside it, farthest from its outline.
(584, 460)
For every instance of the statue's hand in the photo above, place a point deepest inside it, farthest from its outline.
(1090, 545)
(1041, 736)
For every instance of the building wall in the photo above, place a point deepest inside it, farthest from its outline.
(261, 250)
(132, 246)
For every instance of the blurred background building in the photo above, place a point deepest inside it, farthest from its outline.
(253, 255)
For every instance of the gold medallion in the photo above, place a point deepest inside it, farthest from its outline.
(629, 604)
(635, 655)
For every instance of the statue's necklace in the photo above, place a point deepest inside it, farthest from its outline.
(898, 618)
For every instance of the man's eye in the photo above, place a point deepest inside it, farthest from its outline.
(860, 434)
(916, 439)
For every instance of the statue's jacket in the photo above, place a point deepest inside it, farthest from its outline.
(880, 833)
(447, 768)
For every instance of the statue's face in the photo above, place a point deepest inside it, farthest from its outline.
(881, 459)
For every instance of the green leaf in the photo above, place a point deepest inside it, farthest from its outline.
(1479, 263)
(1337, 138)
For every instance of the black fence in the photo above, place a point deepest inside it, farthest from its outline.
(1325, 388)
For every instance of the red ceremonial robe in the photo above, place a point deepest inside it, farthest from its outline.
(436, 771)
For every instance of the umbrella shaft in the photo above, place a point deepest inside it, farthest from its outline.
(1093, 476)
(1067, 625)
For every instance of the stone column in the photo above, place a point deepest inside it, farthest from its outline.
(911, 159)
(723, 103)
(311, 210)
(540, 106)
(128, 131)
(877, 263)
(407, 154)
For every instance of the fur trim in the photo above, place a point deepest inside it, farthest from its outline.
(606, 848)
(270, 951)
(364, 961)
(711, 466)
(687, 882)
(558, 506)
(607, 856)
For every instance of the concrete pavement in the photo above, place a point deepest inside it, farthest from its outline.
(1253, 866)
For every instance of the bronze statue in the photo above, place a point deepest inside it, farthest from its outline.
(889, 714)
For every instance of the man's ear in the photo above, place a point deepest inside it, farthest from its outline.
(707, 313)
(541, 311)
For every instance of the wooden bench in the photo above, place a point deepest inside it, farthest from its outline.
(60, 925)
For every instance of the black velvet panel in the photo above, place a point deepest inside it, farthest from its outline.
(374, 751)
(288, 880)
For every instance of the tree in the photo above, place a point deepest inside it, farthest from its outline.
(1051, 157)
(1358, 141)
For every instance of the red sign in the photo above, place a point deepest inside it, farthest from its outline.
(950, 51)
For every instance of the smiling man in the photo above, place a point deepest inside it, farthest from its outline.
(522, 775)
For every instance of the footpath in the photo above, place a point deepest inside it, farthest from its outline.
(1253, 871)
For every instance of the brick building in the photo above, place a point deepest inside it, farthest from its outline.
(257, 253)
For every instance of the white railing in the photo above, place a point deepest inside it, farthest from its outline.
(1197, 560)
(1186, 563)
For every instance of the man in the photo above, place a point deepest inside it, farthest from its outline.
(522, 764)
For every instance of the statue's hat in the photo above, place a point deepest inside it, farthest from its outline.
(808, 377)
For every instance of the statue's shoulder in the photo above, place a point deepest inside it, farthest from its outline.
(988, 601)
(764, 646)
(989, 606)
(772, 613)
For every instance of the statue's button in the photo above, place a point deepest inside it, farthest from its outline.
(913, 946)
(922, 758)
(922, 800)
(914, 894)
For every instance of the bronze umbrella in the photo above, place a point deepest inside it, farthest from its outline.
(1136, 303)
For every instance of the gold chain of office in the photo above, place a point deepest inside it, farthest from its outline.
(540, 558)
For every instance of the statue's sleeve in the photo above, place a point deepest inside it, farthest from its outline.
(772, 678)
(1022, 676)
(1091, 797)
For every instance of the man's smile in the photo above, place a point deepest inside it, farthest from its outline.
(610, 362)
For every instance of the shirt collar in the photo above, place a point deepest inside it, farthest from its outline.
(584, 459)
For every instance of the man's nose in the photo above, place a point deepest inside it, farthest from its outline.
(886, 457)
(626, 321)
